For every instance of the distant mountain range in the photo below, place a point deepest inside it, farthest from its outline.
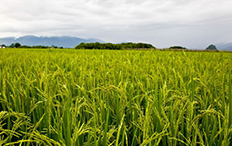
(63, 41)
(67, 41)
(227, 46)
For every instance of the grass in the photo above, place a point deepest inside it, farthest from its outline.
(121, 98)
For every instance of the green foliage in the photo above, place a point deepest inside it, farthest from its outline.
(211, 48)
(15, 45)
(111, 46)
(177, 48)
(18, 45)
(2, 46)
(107, 97)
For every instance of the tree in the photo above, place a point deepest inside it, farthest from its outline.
(17, 45)
(12, 45)
(3, 46)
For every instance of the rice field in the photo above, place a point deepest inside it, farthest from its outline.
(118, 98)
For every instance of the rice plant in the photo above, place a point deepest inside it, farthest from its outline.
(112, 97)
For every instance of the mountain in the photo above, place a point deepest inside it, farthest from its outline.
(63, 41)
(227, 46)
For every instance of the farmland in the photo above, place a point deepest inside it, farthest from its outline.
(115, 97)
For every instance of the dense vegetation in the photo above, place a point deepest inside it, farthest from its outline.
(106, 97)
(18, 45)
(177, 48)
(111, 46)
(211, 48)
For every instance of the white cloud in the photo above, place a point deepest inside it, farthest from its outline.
(162, 23)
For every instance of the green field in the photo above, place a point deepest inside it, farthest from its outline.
(119, 98)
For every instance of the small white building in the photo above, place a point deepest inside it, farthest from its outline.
(2, 46)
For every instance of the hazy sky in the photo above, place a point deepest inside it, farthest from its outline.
(163, 23)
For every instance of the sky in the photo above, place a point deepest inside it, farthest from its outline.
(193, 24)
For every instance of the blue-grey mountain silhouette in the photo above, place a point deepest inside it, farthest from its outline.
(63, 41)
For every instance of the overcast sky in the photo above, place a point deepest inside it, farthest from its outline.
(163, 23)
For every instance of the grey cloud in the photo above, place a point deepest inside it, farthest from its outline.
(158, 22)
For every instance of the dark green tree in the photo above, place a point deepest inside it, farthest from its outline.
(12, 45)
(17, 45)
(3, 46)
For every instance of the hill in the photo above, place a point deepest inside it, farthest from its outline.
(63, 41)
(211, 48)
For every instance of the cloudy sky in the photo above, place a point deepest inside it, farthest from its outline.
(163, 23)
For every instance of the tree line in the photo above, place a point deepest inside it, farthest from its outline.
(112, 46)
(18, 45)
